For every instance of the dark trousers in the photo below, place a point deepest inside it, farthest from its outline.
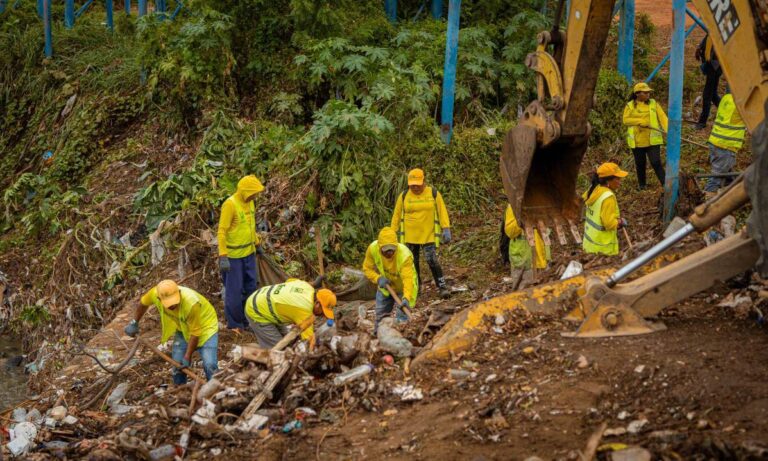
(654, 157)
(240, 281)
(430, 252)
(709, 95)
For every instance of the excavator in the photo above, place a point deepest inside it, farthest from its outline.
(540, 163)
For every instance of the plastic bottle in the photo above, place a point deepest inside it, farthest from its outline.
(392, 341)
(353, 374)
(291, 426)
(163, 452)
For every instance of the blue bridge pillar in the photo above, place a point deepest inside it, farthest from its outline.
(390, 7)
(626, 39)
(676, 75)
(142, 8)
(449, 73)
(437, 9)
(47, 28)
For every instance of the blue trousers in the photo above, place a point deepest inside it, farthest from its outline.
(239, 283)
(721, 161)
(209, 352)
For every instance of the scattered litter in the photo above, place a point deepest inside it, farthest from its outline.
(408, 393)
(205, 413)
(353, 374)
(499, 320)
(582, 362)
(292, 426)
(391, 340)
(623, 415)
(639, 368)
(615, 432)
(573, 269)
(637, 426)
(118, 394)
(58, 413)
(631, 454)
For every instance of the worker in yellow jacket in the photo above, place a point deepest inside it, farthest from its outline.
(238, 243)
(646, 124)
(421, 221)
(271, 309)
(390, 263)
(602, 219)
(725, 139)
(187, 316)
(520, 253)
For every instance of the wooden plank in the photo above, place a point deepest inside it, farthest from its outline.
(266, 392)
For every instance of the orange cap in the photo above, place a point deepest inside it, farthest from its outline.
(416, 177)
(610, 169)
(168, 292)
(327, 300)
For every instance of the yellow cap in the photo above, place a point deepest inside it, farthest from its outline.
(416, 177)
(387, 239)
(642, 86)
(610, 169)
(327, 300)
(168, 292)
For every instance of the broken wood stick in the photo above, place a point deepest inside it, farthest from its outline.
(278, 373)
(294, 333)
(593, 442)
(190, 374)
(629, 241)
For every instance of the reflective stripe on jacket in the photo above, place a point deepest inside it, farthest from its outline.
(288, 303)
(598, 239)
(729, 128)
(631, 115)
(194, 316)
(241, 238)
(402, 274)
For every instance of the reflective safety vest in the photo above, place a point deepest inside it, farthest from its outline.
(596, 238)
(729, 129)
(402, 254)
(401, 230)
(242, 240)
(656, 133)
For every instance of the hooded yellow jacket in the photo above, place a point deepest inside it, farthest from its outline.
(418, 215)
(237, 224)
(404, 280)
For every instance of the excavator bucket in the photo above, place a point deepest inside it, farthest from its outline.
(540, 182)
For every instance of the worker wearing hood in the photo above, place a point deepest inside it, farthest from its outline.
(238, 241)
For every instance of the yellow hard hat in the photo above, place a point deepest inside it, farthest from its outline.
(327, 300)
(610, 169)
(642, 86)
(387, 239)
(416, 177)
(169, 293)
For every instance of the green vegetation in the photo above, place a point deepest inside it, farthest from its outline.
(327, 101)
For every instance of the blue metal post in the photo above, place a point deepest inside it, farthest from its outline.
(128, 7)
(696, 19)
(47, 28)
(40, 8)
(676, 75)
(390, 7)
(2, 6)
(437, 9)
(110, 15)
(626, 39)
(69, 13)
(160, 7)
(449, 73)
(142, 8)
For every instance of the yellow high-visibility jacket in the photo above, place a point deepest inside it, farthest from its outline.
(399, 269)
(194, 316)
(286, 303)
(601, 236)
(420, 218)
(237, 224)
(637, 118)
(729, 128)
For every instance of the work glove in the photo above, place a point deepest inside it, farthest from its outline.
(224, 264)
(132, 329)
(184, 364)
(318, 283)
(446, 236)
(405, 303)
(260, 250)
(383, 282)
(623, 223)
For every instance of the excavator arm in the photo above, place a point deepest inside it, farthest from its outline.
(539, 166)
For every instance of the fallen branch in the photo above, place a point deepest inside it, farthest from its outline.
(114, 372)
